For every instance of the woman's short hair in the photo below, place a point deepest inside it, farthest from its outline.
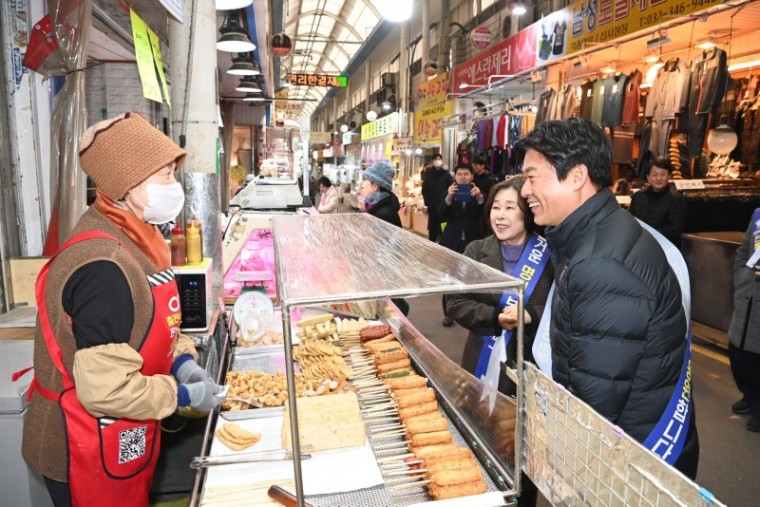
(661, 163)
(515, 182)
(325, 182)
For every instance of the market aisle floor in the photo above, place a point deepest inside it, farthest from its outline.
(729, 454)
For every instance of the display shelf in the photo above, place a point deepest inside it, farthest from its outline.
(355, 257)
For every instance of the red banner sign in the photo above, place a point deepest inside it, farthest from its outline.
(511, 56)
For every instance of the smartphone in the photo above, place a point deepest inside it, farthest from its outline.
(462, 193)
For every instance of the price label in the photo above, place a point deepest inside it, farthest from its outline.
(689, 184)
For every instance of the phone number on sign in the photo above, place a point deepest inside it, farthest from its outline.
(677, 9)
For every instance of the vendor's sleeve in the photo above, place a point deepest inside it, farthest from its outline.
(184, 345)
(109, 383)
(99, 302)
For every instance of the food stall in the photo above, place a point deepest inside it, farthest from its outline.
(477, 422)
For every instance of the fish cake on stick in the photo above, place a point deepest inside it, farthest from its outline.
(432, 438)
(451, 477)
(417, 398)
(408, 382)
(457, 490)
(412, 411)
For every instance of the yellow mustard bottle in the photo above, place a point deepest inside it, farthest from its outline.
(194, 249)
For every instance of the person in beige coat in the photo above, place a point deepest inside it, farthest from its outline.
(109, 360)
(328, 202)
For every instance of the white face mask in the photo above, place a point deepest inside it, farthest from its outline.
(164, 202)
(438, 163)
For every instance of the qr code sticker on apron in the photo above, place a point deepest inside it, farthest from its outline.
(132, 444)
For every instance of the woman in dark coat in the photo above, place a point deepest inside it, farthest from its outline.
(483, 315)
(377, 192)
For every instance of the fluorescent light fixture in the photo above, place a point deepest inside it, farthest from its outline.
(395, 10)
(463, 85)
(744, 65)
(229, 5)
(518, 8)
(658, 41)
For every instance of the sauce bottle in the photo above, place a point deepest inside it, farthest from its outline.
(198, 225)
(177, 246)
(194, 248)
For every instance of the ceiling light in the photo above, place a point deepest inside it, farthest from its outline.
(229, 5)
(249, 84)
(344, 128)
(371, 115)
(418, 151)
(386, 106)
(722, 140)
(243, 65)
(658, 41)
(743, 65)
(652, 72)
(234, 39)
(395, 10)
(518, 8)
(708, 44)
(608, 69)
(253, 97)
(653, 58)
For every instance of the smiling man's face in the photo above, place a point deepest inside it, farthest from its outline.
(550, 200)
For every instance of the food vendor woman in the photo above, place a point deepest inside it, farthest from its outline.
(109, 361)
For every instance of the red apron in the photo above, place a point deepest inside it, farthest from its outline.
(111, 461)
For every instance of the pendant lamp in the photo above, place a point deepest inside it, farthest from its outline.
(249, 84)
(243, 65)
(722, 140)
(229, 5)
(234, 39)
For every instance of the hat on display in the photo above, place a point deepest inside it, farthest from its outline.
(122, 152)
(380, 174)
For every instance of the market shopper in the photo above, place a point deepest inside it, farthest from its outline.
(483, 178)
(328, 200)
(659, 205)
(377, 193)
(436, 179)
(744, 330)
(513, 247)
(380, 201)
(109, 360)
(462, 213)
(617, 327)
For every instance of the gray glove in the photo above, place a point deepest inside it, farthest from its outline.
(203, 395)
(189, 372)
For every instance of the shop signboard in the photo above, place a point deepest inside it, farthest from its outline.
(481, 37)
(286, 108)
(319, 137)
(427, 121)
(432, 92)
(380, 127)
(402, 143)
(317, 80)
(511, 56)
(586, 22)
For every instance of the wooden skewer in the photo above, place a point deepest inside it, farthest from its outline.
(380, 406)
(408, 472)
(384, 427)
(400, 457)
(409, 486)
(374, 415)
(394, 444)
(380, 395)
(389, 433)
(392, 466)
(406, 479)
(392, 417)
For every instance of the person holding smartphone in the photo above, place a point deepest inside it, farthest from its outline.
(461, 211)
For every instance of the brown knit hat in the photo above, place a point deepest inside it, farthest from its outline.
(120, 153)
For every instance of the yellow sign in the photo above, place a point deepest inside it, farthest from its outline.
(588, 22)
(144, 56)
(380, 127)
(288, 108)
(427, 129)
(237, 173)
(156, 47)
(432, 92)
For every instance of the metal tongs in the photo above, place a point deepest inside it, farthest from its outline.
(248, 457)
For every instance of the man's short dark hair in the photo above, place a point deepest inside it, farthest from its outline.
(325, 182)
(479, 161)
(568, 143)
(464, 165)
(661, 163)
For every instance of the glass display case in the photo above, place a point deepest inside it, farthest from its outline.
(389, 262)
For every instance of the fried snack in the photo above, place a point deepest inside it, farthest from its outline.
(426, 423)
(463, 454)
(433, 450)
(457, 490)
(236, 438)
(407, 412)
(385, 339)
(418, 397)
(432, 438)
(374, 332)
(395, 365)
(407, 382)
(459, 476)
(447, 463)
(313, 321)
(400, 372)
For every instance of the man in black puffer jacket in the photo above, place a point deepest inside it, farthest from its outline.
(618, 327)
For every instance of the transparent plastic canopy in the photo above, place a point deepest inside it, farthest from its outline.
(350, 256)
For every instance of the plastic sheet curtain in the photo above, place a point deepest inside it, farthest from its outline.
(71, 21)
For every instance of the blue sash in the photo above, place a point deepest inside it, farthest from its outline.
(532, 262)
(755, 246)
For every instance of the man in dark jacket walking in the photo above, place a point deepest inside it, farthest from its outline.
(618, 328)
(436, 180)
